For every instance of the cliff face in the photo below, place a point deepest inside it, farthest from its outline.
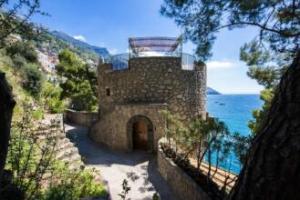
(83, 46)
(212, 91)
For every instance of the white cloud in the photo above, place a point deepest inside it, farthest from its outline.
(215, 64)
(80, 37)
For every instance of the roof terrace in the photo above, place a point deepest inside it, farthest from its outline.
(153, 47)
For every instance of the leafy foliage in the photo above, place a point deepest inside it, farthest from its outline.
(12, 23)
(51, 95)
(18, 61)
(73, 185)
(78, 81)
(206, 141)
(278, 21)
(32, 79)
(241, 146)
(25, 63)
(266, 67)
(32, 159)
(267, 55)
(25, 49)
(29, 159)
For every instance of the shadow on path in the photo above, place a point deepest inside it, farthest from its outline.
(138, 167)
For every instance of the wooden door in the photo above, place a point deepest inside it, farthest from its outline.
(140, 135)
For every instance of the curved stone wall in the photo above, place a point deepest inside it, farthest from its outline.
(112, 129)
(184, 187)
(147, 86)
(154, 80)
(82, 118)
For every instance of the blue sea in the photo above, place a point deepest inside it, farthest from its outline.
(235, 111)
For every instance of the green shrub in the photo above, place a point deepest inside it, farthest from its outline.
(74, 185)
(51, 95)
(18, 61)
(32, 79)
(5, 60)
(38, 114)
(78, 81)
(84, 99)
(24, 49)
(30, 159)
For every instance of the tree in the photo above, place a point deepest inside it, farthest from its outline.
(14, 18)
(77, 80)
(274, 157)
(32, 79)
(8, 25)
(51, 97)
(265, 66)
(25, 49)
(267, 56)
(278, 21)
(7, 104)
(271, 167)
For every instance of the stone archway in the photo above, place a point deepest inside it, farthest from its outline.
(140, 133)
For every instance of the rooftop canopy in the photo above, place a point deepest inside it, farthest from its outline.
(154, 44)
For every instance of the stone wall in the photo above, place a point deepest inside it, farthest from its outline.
(52, 128)
(184, 187)
(112, 130)
(147, 86)
(154, 80)
(81, 118)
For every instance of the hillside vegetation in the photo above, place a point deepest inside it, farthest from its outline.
(29, 161)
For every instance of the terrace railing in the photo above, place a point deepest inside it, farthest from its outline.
(120, 61)
(187, 61)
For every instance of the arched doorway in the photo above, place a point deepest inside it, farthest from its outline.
(140, 135)
(140, 132)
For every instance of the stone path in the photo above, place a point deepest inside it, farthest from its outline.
(139, 168)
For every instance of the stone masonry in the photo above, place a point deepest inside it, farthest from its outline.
(140, 92)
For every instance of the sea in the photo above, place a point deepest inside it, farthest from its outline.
(236, 111)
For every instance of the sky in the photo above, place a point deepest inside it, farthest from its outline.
(110, 23)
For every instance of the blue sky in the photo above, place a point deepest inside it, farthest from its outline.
(110, 23)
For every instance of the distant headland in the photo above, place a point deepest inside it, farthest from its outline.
(211, 91)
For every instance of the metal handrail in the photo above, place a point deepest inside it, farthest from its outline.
(187, 61)
(120, 61)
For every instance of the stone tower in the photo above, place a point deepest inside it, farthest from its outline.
(131, 98)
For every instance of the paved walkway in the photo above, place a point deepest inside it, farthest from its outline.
(139, 168)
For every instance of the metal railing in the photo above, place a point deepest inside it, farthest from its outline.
(120, 61)
(187, 61)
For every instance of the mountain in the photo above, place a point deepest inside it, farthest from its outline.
(100, 51)
(212, 91)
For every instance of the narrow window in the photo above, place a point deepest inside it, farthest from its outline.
(107, 92)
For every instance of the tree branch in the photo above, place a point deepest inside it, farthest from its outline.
(264, 27)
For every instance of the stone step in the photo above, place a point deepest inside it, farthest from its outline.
(50, 135)
(63, 144)
(65, 153)
(46, 127)
(70, 157)
(48, 130)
